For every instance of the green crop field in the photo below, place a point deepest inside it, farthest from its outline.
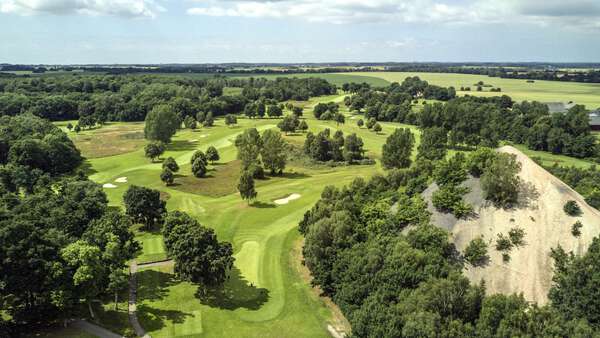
(266, 296)
(587, 94)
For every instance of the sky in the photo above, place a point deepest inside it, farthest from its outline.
(285, 31)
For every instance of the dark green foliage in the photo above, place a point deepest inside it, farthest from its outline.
(28, 141)
(517, 236)
(377, 128)
(246, 186)
(500, 181)
(212, 154)
(476, 252)
(153, 150)
(199, 257)
(199, 155)
(322, 147)
(190, 122)
(273, 152)
(209, 121)
(326, 111)
(360, 123)
(303, 126)
(449, 199)
(289, 124)
(230, 120)
(480, 159)
(397, 150)
(199, 167)
(576, 228)
(167, 176)
(249, 145)
(274, 110)
(143, 205)
(571, 208)
(503, 243)
(451, 171)
(170, 164)
(433, 144)
(161, 124)
(575, 291)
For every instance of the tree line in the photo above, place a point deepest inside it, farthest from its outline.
(96, 99)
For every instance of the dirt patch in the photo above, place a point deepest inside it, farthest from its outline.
(338, 322)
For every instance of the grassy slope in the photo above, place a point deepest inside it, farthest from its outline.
(519, 90)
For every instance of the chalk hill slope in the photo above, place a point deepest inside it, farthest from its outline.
(539, 212)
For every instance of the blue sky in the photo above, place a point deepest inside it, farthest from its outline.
(199, 31)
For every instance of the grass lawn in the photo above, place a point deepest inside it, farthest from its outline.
(587, 94)
(336, 78)
(266, 294)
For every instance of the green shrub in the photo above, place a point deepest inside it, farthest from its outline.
(516, 236)
(499, 181)
(476, 252)
(571, 208)
(449, 199)
(576, 229)
(503, 243)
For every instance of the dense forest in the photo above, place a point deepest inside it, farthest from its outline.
(371, 247)
(97, 99)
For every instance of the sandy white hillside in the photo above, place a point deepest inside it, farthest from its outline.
(540, 213)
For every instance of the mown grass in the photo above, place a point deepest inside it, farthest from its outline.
(265, 295)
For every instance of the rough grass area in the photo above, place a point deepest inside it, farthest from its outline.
(221, 180)
(109, 140)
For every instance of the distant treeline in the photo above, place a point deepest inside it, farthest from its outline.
(569, 72)
(101, 98)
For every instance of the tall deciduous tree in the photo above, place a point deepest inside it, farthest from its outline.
(273, 152)
(212, 154)
(153, 150)
(433, 144)
(246, 186)
(161, 123)
(249, 144)
(397, 149)
(143, 205)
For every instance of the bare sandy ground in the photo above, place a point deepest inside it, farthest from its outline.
(540, 213)
(287, 199)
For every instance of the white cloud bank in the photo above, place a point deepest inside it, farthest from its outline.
(122, 8)
(582, 13)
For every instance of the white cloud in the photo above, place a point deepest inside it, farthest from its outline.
(569, 13)
(124, 8)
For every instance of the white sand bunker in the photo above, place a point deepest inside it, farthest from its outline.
(121, 180)
(203, 136)
(353, 118)
(287, 199)
(194, 140)
(108, 186)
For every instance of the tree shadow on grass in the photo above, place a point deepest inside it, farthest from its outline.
(235, 293)
(87, 168)
(152, 285)
(181, 145)
(262, 205)
(153, 319)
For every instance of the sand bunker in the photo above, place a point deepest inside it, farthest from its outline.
(194, 140)
(203, 136)
(108, 185)
(121, 180)
(287, 199)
